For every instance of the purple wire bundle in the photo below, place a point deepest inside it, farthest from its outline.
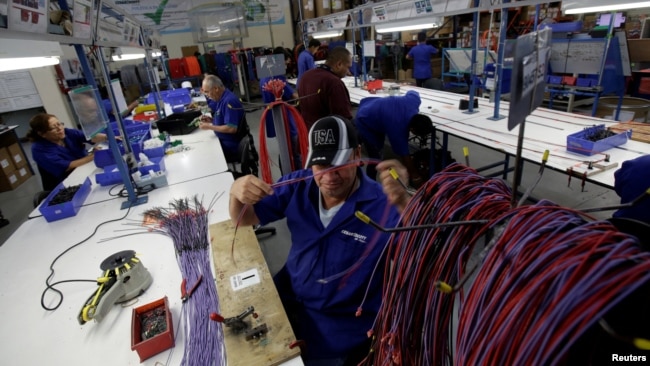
(186, 222)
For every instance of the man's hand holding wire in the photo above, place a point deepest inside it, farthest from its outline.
(247, 190)
(392, 175)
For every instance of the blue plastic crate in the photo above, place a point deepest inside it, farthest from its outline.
(172, 97)
(109, 177)
(156, 152)
(158, 165)
(578, 143)
(552, 79)
(104, 157)
(67, 209)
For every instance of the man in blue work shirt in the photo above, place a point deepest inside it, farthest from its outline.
(306, 58)
(333, 254)
(395, 117)
(227, 114)
(421, 55)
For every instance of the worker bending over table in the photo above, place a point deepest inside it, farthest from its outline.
(333, 254)
(57, 150)
(395, 117)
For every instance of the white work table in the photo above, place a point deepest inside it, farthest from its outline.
(544, 129)
(204, 158)
(31, 335)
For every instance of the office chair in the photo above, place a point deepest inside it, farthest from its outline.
(434, 84)
(247, 162)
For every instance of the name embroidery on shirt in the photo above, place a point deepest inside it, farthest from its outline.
(357, 237)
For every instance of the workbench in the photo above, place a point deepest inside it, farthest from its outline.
(544, 129)
(30, 335)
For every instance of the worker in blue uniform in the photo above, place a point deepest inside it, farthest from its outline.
(227, 114)
(630, 181)
(421, 55)
(288, 94)
(58, 150)
(395, 117)
(306, 57)
(333, 254)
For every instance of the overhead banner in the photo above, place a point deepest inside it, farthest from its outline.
(172, 16)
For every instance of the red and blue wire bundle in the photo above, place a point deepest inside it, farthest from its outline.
(548, 280)
(413, 326)
(186, 222)
(276, 87)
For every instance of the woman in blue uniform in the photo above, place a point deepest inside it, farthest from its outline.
(57, 150)
(327, 240)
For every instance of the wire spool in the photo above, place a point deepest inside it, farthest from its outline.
(308, 9)
(323, 8)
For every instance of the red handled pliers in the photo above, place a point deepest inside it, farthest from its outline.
(186, 294)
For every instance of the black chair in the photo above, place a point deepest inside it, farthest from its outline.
(39, 197)
(434, 84)
(246, 161)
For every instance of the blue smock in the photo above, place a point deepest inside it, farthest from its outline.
(54, 158)
(390, 116)
(421, 55)
(327, 310)
(223, 115)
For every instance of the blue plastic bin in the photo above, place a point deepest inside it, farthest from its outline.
(577, 142)
(109, 177)
(158, 165)
(102, 158)
(67, 209)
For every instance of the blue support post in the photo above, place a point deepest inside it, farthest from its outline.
(499, 71)
(472, 87)
(112, 142)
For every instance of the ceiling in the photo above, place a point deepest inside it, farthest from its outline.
(174, 16)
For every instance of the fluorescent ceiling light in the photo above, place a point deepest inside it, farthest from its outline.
(155, 53)
(26, 54)
(328, 34)
(20, 63)
(127, 53)
(407, 25)
(594, 6)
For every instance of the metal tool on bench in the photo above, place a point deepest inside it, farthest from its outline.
(238, 324)
(124, 278)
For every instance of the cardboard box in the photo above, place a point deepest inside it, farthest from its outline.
(9, 181)
(17, 155)
(23, 174)
(6, 163)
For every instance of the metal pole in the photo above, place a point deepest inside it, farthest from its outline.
(268, 13)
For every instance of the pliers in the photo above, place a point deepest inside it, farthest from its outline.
(187, 294)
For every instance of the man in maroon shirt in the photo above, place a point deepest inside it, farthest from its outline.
(321, 91)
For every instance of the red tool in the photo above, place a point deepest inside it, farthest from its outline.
(187, 294)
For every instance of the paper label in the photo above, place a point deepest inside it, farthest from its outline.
(245, 279)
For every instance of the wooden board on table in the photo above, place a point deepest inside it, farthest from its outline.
(245, 281)
(640, 131)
